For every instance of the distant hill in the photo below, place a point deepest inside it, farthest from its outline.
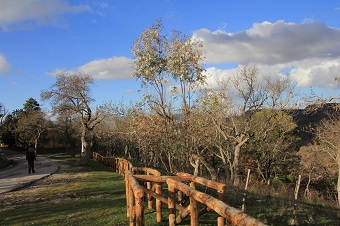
(311, 116)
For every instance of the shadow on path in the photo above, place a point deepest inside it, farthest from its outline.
(16, 175)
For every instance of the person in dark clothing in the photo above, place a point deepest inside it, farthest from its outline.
(30, 157)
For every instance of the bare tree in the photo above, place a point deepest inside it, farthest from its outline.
(231, 113)
(30, 128)
(72, 93)
(321, 155)
(232, 108)
(67, 125)
(31, 124)
(327, 141)
(313, 167)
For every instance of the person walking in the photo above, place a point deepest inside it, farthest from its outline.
(30, 157)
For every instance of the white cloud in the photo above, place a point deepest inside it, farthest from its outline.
(110, 68)
(271, 43)
(312, 49)
(4, 65)
(316, 71)
(217, 76)
(14, 12)
(310, 72)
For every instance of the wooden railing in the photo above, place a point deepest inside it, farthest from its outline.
(142, 182)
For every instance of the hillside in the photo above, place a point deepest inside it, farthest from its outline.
(310, 117)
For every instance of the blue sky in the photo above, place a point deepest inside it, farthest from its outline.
(39, 38)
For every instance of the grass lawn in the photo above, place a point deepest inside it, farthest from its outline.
(94, 195)
(74, 195)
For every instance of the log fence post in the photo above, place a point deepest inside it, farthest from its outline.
(129, 198)
(139, 208)
(153, 180)
(221, 194)
(135, 200)
(148, 186)
(171, 205)
(158, 188)
(193, 212)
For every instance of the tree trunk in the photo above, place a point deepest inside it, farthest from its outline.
(195, 164)
(236, 170)
(226, 164)
(85, 159)
(207, 165)
(242, 139)
(35, 146)
(86, 147)
(338, 185)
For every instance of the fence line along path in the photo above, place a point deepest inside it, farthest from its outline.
(182, 198)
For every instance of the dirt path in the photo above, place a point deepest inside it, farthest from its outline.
(36, 192)
(16, 175)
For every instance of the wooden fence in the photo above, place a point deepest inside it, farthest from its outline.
(146, 183)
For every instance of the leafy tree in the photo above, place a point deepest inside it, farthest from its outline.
(163, 63)
(8, 129)
(31, 105)
(24, 126)
(72, 93)
(274, 144)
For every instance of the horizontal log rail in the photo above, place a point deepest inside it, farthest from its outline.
(135, 194)
(146, 170)
(233, 215)
(161, 179)
(219, 187)
(156, 187)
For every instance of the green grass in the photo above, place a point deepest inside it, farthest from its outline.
(94, 195)
(88, 195)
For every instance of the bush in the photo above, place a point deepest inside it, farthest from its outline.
(4, 162)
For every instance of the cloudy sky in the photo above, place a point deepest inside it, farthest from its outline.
(41, 38)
